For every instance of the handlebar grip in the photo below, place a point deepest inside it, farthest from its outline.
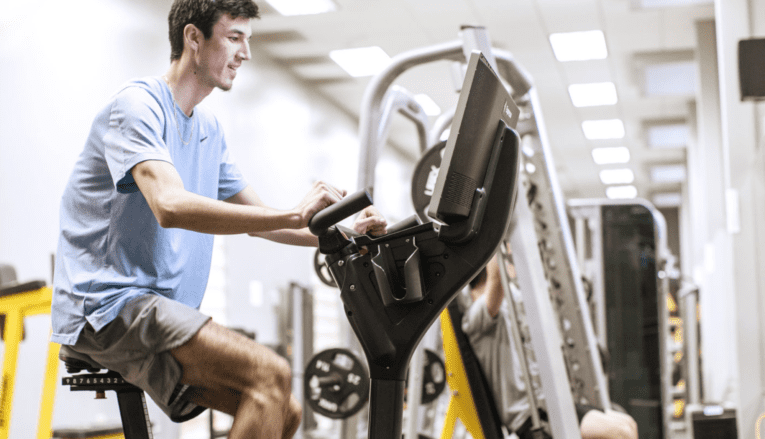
(324, 219)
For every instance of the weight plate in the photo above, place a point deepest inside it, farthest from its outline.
(320, 266)
(336, 383)
(433, 377)
(424, 179)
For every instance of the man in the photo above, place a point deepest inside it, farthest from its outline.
(152, 185)
(487, 327)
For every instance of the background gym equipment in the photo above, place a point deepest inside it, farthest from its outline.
(17, 301)
(433, 377)
(471, 399)
(336, 383)
(628, 268)
(542, 244)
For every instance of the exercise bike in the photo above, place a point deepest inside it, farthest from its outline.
(393, 287)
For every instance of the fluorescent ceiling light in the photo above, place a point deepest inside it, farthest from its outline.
(594, 94)
(362, 61)
(668, 174)
(579, 46)
(667, 136)
(617, 176)
(428, 105)
(610, 155)
(667, 199)
(668, 3)
(671, 79)
(302, 7)
(603, 129)
(616, 192)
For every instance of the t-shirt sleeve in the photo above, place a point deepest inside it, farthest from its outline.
(230, 180)
(134, 135)
(477, 320)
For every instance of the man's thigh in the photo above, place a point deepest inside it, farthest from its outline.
(222, 363)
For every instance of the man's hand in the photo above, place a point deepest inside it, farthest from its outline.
(370, 221)
(321, 196)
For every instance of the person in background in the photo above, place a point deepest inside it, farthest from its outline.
(486, 324)
(151, 187)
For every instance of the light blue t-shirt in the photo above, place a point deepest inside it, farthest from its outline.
(111, 248)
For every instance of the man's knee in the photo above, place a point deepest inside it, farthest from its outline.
(294, 411)
(276, 374)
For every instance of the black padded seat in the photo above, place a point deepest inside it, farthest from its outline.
(76, 362)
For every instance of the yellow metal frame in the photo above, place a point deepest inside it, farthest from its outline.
(16, 307)
(461, 403)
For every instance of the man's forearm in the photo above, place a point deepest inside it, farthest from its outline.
(201, 214)
(292, 237)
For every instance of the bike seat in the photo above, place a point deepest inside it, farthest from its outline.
(76, 362)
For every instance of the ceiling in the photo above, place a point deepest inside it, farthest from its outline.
(641, 35)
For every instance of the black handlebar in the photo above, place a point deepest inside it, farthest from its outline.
(324, 219)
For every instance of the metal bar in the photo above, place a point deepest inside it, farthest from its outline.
(515, 332)
(44, 430)
(567, 290)
(515, 74)
(386, 407)
(414, 393)
(441, 124)
(689, 297)
(134, 414)
(375, 92)
(400, 100)
(547, 343)
(13, 328)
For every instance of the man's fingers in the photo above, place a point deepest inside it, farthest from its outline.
(373, 224)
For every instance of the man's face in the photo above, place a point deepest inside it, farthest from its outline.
(223, 53)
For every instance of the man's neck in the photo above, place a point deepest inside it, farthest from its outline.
(186, 85)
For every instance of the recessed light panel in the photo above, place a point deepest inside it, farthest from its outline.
(428, 105)
(593, 94)
(617, 176)
(668, 174)
(611, 155)
(603, 129)
(667, 136)
(667, 199)
(620, 192)
(579, 46)
(362, 61)
(302, 7)
(671, 79)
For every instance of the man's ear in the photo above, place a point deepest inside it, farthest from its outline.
(192, 36)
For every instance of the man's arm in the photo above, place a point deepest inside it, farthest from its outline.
(494, 291)
(174, 207)
(248, 197)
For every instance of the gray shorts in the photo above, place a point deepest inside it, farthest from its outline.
(136, 345)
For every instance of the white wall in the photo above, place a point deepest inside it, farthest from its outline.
(59, 63)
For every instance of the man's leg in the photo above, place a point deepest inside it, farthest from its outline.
(235, 375)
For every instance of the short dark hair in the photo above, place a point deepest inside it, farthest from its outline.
(203, 14)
